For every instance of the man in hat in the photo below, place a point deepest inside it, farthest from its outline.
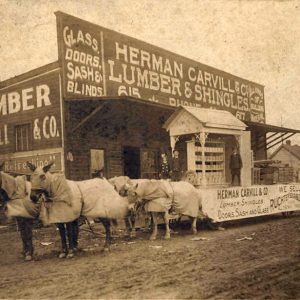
(175, 167)
(235, 166)
(164, 167)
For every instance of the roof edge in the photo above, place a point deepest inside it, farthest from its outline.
(271, 127)
(287, 149)
(29, 74)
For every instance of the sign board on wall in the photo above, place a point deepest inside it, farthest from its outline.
(100, 62)
(35, 103)
(17, 164)
(246, 202)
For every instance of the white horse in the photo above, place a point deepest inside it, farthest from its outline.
(15, 198)
(15, 192)
(67, 200)
(119, 183)
(159, 196)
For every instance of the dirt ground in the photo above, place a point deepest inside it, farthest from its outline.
(263, 265)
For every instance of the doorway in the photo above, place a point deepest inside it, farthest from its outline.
(131, 159)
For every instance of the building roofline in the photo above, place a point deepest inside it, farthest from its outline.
(287, 149)
(29, 74)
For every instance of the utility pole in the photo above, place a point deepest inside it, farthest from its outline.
(281, 125)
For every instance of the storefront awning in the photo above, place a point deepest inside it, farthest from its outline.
(192, 119)
(274, 134)
(103, 101)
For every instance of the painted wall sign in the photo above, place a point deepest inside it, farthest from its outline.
(18, 164)
(100, 62)
(30, 114)
(240, 202)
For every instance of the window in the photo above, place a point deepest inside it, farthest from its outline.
(23, 137)
(97, 164)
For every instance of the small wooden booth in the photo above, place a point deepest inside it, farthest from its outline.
(209, 136)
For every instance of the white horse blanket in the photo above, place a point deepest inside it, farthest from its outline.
(18, 190)
(162, 195)
(94, 198)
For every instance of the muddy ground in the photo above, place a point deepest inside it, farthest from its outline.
(264, 265)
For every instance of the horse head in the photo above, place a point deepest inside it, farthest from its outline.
(40, 181)
(130, 190)
(121, 184)
(7, 186)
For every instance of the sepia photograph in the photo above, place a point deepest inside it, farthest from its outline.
(149, 149)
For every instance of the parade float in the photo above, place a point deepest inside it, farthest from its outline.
(112, 104)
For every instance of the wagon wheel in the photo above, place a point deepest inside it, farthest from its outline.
(82, 221)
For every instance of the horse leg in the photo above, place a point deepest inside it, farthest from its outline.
(127, 225)
(113, 226)
(194, 225)
(25, 227)
(130, 224)
(166, 219)
(64, 247)
(20, 222)
(154, 226)
(29, 243)
(148, 222)
(75, 233)
(70, 235)
(106, 224)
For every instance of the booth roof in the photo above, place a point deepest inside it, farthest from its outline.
(209, 117)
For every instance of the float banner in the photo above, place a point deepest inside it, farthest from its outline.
(100, 62)
(246, 202)
(18, 164)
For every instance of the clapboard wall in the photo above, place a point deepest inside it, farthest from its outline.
(117, 124)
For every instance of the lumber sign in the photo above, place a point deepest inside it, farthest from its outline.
(246, 202)
(98, 62)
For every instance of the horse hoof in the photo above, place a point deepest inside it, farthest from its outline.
(106, 249)
(28, 257)
(152, 238)
(167, 237)
(62, 255)
(70, 255)
(132, 235)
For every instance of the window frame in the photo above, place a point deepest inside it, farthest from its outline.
(19, 140)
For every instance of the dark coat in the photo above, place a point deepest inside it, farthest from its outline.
(235, 161)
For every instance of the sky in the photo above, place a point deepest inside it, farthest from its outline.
(255, 39)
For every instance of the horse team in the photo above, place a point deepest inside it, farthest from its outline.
(55, 200)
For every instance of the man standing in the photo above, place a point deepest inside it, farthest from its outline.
(164, 167)
(175, 168)
(235, 166)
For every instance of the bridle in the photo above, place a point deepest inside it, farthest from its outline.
(38, 195)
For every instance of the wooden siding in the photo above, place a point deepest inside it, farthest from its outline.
(41, 112)
(287, 158)
(117, 124)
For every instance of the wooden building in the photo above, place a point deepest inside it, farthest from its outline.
(103, 104)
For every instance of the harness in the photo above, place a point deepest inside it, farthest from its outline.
(81, 197)
(172, 209)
